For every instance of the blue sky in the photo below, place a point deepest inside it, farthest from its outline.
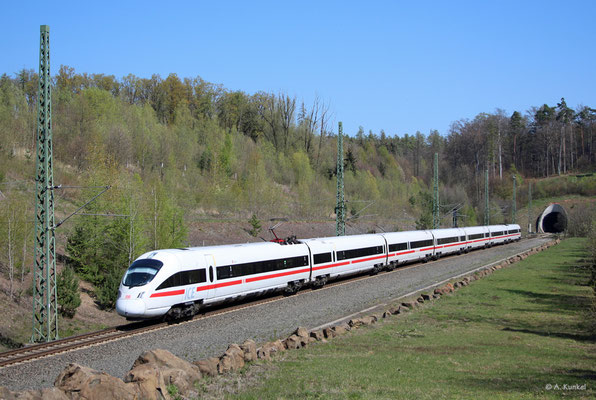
(393, 65)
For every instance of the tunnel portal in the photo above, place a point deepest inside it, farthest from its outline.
(552, 220)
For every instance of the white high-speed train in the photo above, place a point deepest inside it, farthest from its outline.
(176, 283)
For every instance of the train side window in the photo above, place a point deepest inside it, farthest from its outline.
(322, 258)
(398, 246)
(421, 243)
(210, 274)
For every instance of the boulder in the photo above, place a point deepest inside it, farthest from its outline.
(249, 347)
(263, 353)
(209, 365)
(79, 382)
(410, 304)
(175, 370)
(43, 394)
(387, 314)
(448, 287)
(277, 346)
(329, 333)
(436, 296)
(345, 325)
(7, 394)
(427, 296)
(339, 330)
(231, 360)
(293, 342)
(269, 349)
(148, 381)
(438, 291)
(355, 322)
(420, 300)
(395, 310)
(369, 320)
(301, 332)
(317, 335)
(456, 285)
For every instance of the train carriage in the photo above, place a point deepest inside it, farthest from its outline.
(498, 234)
(352, 254)
(408, 246)
(477, 237)
(513, 232)
(449, 241)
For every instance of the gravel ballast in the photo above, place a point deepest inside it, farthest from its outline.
(209, 337)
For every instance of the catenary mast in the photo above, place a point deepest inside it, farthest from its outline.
(45, 312)
(340, 208)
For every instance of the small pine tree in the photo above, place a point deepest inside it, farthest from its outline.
(69, 298)
(255, 225)
(106, 293)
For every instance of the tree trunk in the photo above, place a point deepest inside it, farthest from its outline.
(24, 261)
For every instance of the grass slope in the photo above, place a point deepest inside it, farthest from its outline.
(506, 336)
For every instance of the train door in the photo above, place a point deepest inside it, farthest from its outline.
(211, 277)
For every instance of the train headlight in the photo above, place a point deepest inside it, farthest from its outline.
(140, 296)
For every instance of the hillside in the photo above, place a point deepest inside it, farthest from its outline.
(189, 162)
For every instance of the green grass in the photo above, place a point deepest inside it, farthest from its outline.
(506, 336)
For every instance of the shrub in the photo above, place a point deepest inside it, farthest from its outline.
(255, 225)
(69, 298)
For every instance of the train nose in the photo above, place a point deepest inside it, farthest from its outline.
(130, 308)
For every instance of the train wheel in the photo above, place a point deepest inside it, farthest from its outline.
(292, 288)
(319, 282)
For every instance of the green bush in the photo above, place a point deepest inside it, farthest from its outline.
(106, 293)
(69, 298)
(255, 225)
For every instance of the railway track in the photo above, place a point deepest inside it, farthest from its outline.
(42, 350)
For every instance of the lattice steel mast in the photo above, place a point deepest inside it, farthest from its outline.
(530, 207)
(45, 312)
(436, 207)
(514, 205)
(340, 208)
(486, 202)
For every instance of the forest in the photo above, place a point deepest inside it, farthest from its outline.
(175, 150)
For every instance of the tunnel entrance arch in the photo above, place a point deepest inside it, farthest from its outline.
(552, 220)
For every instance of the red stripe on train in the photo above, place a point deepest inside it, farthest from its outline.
(369, 259)
(260, 278)
(218, 285)
(331, 265)
(169, 293)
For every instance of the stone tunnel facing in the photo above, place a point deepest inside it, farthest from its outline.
(552, 220)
